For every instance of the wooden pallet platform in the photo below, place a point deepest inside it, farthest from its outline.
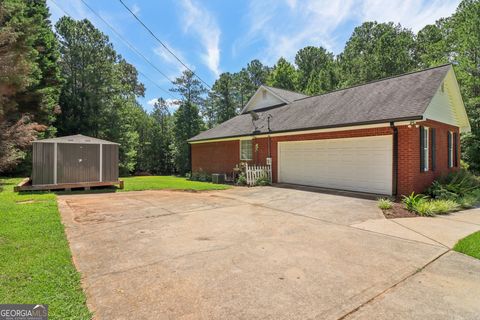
(26, 185)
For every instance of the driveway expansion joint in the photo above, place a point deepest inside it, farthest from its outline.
(369, 301)
(441, 244)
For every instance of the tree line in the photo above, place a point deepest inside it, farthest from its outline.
(69, 79)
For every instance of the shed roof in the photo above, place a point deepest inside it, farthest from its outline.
(78, 138)
(403, 97)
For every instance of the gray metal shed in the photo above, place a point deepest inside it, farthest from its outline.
(76, 159)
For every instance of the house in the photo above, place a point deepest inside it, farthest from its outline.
(391, 136)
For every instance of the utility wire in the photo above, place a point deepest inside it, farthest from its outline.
(129, 45)
(163, 44)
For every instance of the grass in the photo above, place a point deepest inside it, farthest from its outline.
(35, 260)
(469, 245)
(169, 183)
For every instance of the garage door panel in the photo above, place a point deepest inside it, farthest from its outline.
(358, 164)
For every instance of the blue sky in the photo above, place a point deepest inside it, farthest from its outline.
(224, 35)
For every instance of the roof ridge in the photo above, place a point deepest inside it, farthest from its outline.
(286, 90)
(379, 80)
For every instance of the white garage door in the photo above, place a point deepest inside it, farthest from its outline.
(357, 164)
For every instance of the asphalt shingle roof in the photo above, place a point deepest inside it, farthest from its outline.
(403, 97)
(287, 94)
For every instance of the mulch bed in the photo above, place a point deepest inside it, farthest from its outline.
(398, 211)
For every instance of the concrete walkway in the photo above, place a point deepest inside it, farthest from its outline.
(443, 230)
(266, 253)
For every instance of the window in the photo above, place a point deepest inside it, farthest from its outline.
(423, 149)
(450, 149)
(245, 149)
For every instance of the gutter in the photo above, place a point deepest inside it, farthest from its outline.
(395, 159)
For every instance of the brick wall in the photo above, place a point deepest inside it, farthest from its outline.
(223, 156)
(410, 178)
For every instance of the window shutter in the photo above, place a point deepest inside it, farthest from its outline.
(422, 157)
(449, 146)
(455, 149)
(434, 149)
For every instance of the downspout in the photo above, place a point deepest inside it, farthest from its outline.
(395, 159)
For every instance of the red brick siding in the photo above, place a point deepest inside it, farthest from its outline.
(410, 178)
(215, 157)
(223, 156)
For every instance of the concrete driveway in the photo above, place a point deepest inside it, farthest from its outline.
(260, 253)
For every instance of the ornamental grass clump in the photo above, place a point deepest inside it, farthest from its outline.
(385, 204)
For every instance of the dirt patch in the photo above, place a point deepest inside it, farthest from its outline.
(398, 211)
(29, 201)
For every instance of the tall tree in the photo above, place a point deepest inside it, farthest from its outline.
(29, 77)
(283, 75)
(187, 121)
(157, 157)
(316, 70)
(99, 94)
(465, 39)
(190, 88)
(223, 98)
(432, 47)
(375, 51)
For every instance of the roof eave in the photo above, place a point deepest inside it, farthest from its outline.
(386, 121)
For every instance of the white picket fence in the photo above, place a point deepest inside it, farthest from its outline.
(254, 172)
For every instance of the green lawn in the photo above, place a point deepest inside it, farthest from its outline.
(168, 182)
(35, 260)
(469, 245)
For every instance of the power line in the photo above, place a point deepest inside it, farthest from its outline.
(129, 45)
(163, 44)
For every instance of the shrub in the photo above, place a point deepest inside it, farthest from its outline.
(242, 179)
(188, 175)
(424, 208)
(263, 181)
(412, 201)
(385, 204)
(454, 185)
(470, 200)
(201, 176)
(444, 206)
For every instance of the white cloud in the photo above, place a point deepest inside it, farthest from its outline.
(200, 21)
(285, 27)
(411, 14)
(135, 9)
(170, 59)
(172, 104)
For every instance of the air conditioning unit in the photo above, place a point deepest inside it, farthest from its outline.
(218, 178)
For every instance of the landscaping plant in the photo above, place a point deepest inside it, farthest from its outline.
(385, 203)
(263, 181)
(242, 179)
(412, 201)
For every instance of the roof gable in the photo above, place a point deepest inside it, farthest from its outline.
(447, 105)
(266, 96)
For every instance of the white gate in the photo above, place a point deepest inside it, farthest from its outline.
(254, 173)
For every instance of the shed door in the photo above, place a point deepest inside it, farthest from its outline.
(78, 162)
(357, 164)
